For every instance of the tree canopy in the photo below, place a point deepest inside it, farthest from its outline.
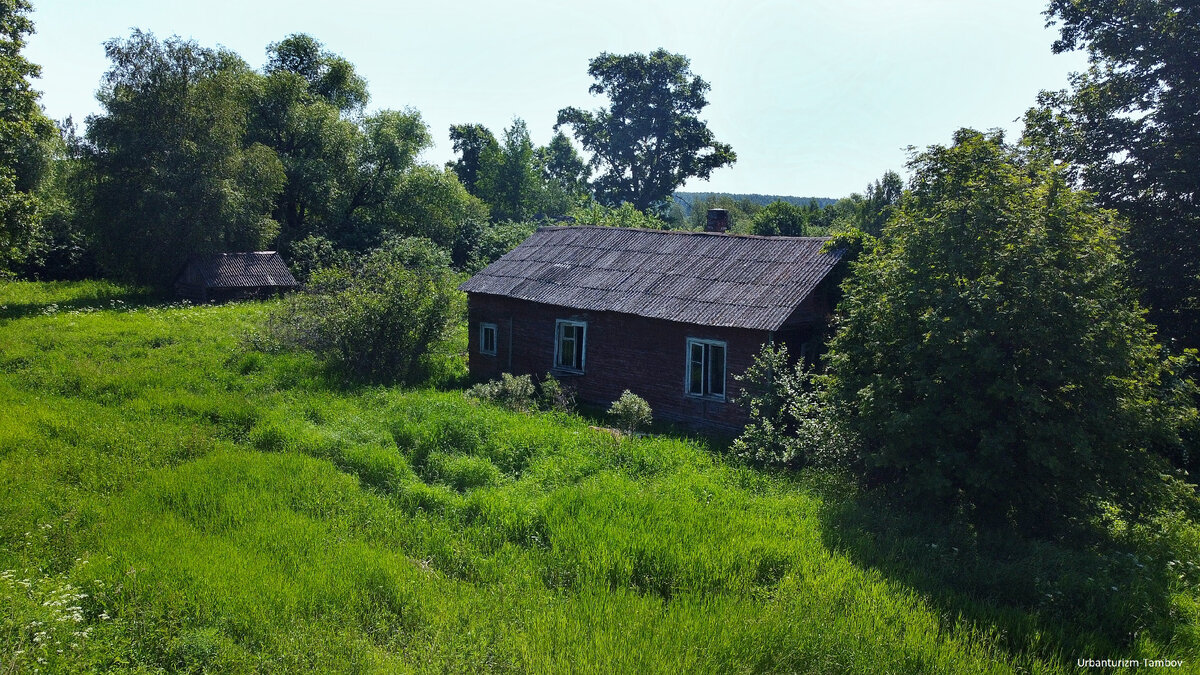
(516, 179)
(176, 174)
(990, 356)
(650, 138)
(24, 134)
(1130, 125)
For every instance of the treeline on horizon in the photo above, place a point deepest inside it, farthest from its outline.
(195, 152)
(686, 198)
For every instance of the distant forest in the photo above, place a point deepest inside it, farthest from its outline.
(686, 199)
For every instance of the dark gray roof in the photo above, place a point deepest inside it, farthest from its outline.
(242, 270)
(692, 277)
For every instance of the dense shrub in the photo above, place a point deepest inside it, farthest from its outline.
(314, 253)
(990, 356)
(790, 427)
(625, 215)
(630, 412)
(554, 395)
(495, 240)
(515, 393)
(378, 317)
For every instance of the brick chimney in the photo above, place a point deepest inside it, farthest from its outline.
(718, 220)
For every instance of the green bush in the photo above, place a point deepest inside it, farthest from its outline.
(553, 395)
(495, 240)
(377, 318)
(314, 253)
(625, 215)
(514, 393)
(789, 427)
(990, 357)
(630, 412)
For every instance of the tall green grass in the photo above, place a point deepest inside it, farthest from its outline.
(175, 500)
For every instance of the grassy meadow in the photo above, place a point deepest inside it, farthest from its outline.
(173, 499)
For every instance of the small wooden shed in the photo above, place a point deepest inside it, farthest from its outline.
(232, 276)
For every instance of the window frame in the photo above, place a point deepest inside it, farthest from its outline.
(559, 324)
(705, 369)
(483, 327)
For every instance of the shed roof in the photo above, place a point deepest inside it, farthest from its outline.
(242, 270)
(702, 278)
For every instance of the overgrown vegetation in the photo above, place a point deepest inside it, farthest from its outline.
(210, 506)
(630, 412)
(519, 394)
(379, 318)
(987, 349)
(790, 427)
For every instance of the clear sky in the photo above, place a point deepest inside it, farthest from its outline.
(817, 98)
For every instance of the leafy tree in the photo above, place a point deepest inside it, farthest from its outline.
(379, 317)
(780, 219)
(386, 149)
(517, 191)
(325, 74)
(24, 133)
(990, 357)
(479, 154)
(316, 145)
(1130, 125)
(63, 248)
(518, 181)
(564, 173)
(790, 426)
(881, 199)
(431, 203)
(649, 140)
(624, 215)
(174, 173)
(863, 212)
(494, 241)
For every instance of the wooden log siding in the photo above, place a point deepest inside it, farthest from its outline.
(623, 351)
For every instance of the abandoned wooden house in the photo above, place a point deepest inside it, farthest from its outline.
(232, 276)
(669, 315)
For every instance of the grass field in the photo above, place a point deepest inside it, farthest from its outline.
(172, 499)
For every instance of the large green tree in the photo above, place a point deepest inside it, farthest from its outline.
(1131, 124)
(478, 157)
(990, 356)
(24, 134)
(518, 180)
(174, 173)
(564, 171)
(64, 248)
(780, 219)
(308, 107)
(650, 138)
(327, 75)
(518, 189)
(385, 151)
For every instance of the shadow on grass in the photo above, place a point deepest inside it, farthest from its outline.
(99, 297)
(1061, 600)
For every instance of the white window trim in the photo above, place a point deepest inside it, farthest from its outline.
(495, 338)
(558, 326)
(687, 369)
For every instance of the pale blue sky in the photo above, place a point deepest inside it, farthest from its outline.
(817, 98)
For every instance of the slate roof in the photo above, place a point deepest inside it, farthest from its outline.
(242, 270)
(692, 277)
